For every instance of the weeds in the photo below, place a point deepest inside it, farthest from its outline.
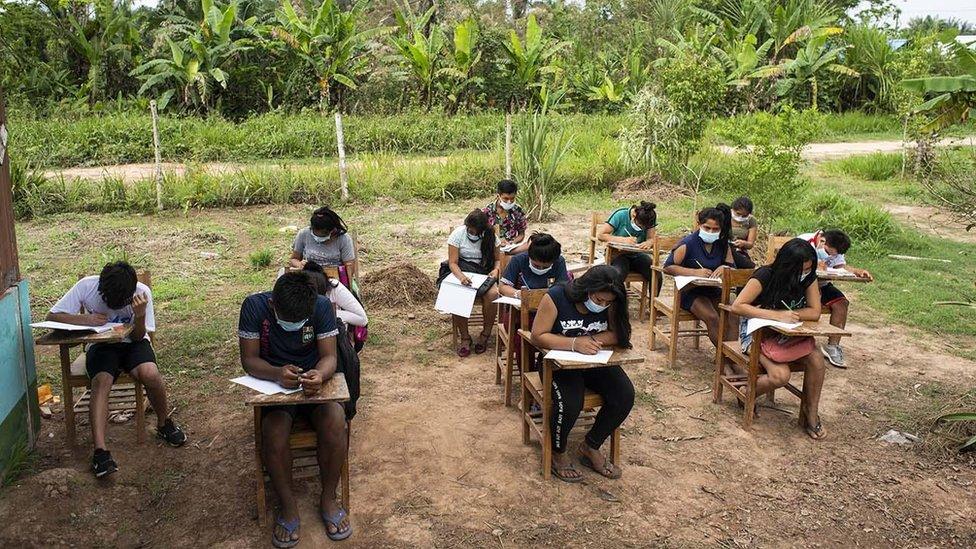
(261, 259)
(872, 167)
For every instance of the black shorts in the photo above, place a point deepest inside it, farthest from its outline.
(115, 358)
(829, 294)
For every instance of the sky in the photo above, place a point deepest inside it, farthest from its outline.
(958, 9)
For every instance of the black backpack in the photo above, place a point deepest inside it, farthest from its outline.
(347, 362)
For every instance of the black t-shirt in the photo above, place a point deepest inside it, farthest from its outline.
(572, 323)
(796, 300)
(278, 346)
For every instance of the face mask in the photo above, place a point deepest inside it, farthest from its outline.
(506, 205)
(593, 307)
(321, 239)
(822, 254)
(707, 237)
(804, 275)
(474, 238)
(740, 219)
(290, 326)
(539, 271)
(636, 227)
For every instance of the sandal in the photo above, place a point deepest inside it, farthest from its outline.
(560, 473)
(464, 350)
(290, 528)
(609, 470)
(335, 521)
(482, 345)
(816, 432)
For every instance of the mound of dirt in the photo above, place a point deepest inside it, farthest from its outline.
(652, 187)
(397, 285)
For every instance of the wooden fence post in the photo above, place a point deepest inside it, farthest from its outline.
(508, 146)
(340, 143)
(159, 160)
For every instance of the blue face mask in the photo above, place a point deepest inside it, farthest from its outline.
(707, 237)
(290, 326)
(593, 307)
(474, 238)
(822, 254)
(539, 271)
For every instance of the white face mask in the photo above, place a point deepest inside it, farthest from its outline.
(739, 219)
(636, 227)
(804, 275)
(707, 237)
(321, 239)
(539, 271)
(474, 238)
(506, 205)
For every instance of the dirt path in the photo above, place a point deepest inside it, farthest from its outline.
(933, 221)
(438, 460)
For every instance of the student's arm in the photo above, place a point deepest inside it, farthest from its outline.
(139, 305)
(750, 240)
(348, 308)
(648, 242)
(347, 254)
(286, 376)
(453, 254)
(506, 284)
(498, 261)
(325, 368)
(68, 310)
(743, 305)
(813, 309)
(350, 269)
(296, 261)
(673, 264)
(545, 317)
(605, 339)
(605, 234)
(861, 273)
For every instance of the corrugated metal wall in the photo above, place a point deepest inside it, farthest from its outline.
(9, 272)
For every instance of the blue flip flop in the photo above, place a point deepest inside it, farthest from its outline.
(290, 527)
(335, 521)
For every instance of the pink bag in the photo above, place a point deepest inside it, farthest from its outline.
(785, 349)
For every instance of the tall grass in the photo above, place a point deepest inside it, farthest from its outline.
(872, 167)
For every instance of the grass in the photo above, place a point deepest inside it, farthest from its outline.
(872, 167)
(261, 259)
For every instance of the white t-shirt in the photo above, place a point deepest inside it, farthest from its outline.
(332, 253)
(348, 308)
(470, 251)
(84, 295)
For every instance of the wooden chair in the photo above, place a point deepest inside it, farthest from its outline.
(596, 220)
(773, 245)
(743, 386)
(304, 448)
(669, 307)
(512, 338)
(127, 394)
(505, 336)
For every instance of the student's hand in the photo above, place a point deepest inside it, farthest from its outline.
(706, 273)
(862, 273)
(288, 376)
(518, 295)
(94, 320)
(311, 382)
(739, 243)
(646, 245)
(790, 317)
(503, 242)
(139, 302)
(628, 239)
(465, 281)
(717, 273)
(587, 345)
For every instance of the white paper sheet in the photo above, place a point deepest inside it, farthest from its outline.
(839, 272)
(601, 356)
(682, 281)
(457, 299)
(754, 324)
(505, 300)
(263, 386)
(51, 325)
(510, 247)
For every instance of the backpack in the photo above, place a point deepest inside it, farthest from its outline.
(359, 333)
(347, 362)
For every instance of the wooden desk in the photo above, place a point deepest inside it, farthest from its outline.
(829, 277)
(333, 390)
(629, 248)
(620, 357)
(704, 283)
(65, 340)
(812, 329)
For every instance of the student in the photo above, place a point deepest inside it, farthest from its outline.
(745, 229)
(509, 216)
(472, 248)
(347, 308)
(539, 268)
(834, 244)
(704, 252)
(116, 295)
(584, 316)
(634, 225)
(325, 241)
(785, 291)
(288, 336)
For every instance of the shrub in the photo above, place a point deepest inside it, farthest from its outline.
(873, 167)
(539, 152)
(261, 259)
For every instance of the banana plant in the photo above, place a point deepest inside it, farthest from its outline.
(805, 68)
(464, 58)
(526, 64)
(609, 93)
(329, 41)
(109, 29)
(954, 96)
(741, 58)
(418, 50)
(969, 445)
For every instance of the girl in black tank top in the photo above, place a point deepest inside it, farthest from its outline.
(584, 316)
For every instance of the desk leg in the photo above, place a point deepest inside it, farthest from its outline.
(259, 465)
(345, 469)
(546, 415)
(69, 396)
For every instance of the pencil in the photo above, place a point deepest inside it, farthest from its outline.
(700, 266)
(790, 309)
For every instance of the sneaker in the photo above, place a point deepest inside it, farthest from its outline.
(834, 354)
(172, 434)
(103, 464)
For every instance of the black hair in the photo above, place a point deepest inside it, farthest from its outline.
(325, 219)
(722, 214)
(478, 220)
(544, 248)
(646, 215)
(743, 203)
(294, 296)
(507, 186)
(838, 239)
(318, 277)
(117, 284)
(786, 270)
(605, 278)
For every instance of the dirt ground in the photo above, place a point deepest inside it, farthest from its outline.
(931, 220)
(437, 459)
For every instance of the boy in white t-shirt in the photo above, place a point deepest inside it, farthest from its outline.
(833, 244)
(116, 296)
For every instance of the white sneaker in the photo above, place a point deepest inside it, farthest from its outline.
(834, 354)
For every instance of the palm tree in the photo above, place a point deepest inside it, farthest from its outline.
(805, 68)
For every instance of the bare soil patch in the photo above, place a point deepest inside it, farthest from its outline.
(933, 221)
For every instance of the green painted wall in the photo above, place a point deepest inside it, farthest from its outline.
(19, 414)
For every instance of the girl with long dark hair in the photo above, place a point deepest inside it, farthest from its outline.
(584, 316)
(786, 291)
(325, 241)
(473, 248)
